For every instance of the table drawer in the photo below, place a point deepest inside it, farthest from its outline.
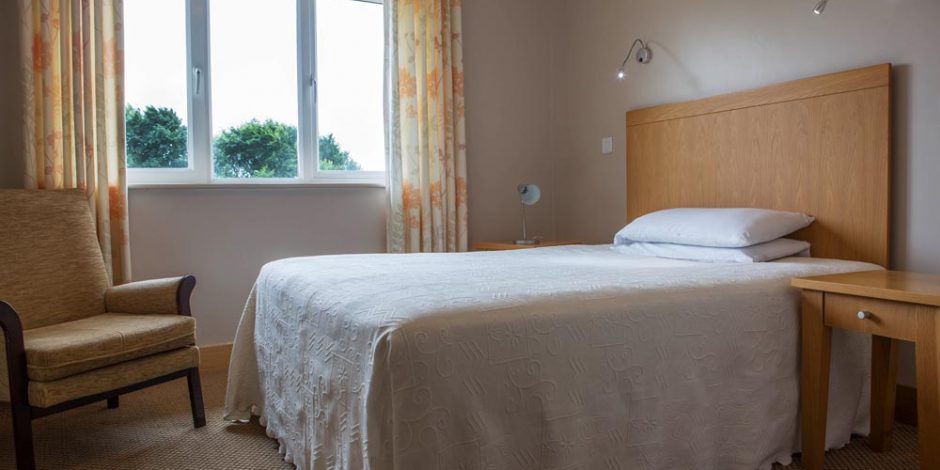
(881, 317)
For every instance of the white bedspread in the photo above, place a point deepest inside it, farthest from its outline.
(571, 357)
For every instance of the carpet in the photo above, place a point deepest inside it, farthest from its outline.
(151, 430)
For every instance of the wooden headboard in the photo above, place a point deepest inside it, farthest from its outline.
(820, 145)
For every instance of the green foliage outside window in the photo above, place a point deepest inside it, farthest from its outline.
(156, 138)
(332, 157)
(256, 150)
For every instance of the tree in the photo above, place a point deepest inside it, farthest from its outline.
(257, 150)
(269, 150)
(156, 138)
(332, 157)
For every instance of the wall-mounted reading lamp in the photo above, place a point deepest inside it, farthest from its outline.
(820, 7)
(643, 55)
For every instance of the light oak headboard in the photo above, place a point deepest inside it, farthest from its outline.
(820, 145)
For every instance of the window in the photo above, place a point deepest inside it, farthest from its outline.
(242, 91)
(155, 86)
(350, 95)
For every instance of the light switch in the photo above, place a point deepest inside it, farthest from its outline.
(607, 145)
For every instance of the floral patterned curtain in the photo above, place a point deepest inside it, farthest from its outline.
(74, 118)
(425, 136)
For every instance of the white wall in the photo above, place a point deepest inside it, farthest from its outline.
(224, 236)
(719, 46)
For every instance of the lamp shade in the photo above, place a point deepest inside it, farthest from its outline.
(529, 194)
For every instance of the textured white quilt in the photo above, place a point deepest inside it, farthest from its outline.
(555, 358)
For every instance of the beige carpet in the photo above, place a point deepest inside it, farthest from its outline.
(153, 430)
(857, 455)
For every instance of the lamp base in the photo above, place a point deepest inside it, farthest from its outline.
(526, 242)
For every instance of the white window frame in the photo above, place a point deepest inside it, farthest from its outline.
(199, 113)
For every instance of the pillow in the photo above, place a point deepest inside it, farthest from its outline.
(726, 228)
(779, 248)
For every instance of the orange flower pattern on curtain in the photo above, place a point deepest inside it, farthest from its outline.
(73, 84)
(425, 130)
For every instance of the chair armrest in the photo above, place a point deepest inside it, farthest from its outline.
(15, 351)
(168, 296)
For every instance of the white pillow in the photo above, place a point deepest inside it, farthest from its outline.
(779, 248)
(727, 228)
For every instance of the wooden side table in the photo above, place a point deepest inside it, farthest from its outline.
(889, 305)
(499, 246)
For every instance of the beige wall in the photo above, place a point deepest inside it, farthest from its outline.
(509, 81)
(718, 46)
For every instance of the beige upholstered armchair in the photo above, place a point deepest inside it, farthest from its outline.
(70, 337)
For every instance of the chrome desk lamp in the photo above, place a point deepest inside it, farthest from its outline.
(529, 194)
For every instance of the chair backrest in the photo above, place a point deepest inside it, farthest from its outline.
(51, 268)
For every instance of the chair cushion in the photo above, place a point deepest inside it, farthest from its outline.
(53, 270)
(57, 351)
(46, 394)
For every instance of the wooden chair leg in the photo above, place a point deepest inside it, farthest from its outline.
(23, 437)
(195, 398)
(114, 402)
(18, 381)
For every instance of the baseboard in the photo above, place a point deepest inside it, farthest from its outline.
(215, 357)
(905, 407)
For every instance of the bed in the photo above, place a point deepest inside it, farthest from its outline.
(579, 356)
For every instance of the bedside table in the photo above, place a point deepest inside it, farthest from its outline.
(500, 246)
(889, 305)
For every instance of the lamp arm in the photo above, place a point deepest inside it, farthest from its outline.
(630, 54)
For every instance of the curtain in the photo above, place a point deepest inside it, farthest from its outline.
(74, 118)
(425, 136)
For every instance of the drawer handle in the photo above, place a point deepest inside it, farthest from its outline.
(863, 315)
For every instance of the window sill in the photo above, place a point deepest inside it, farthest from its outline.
(306, 185)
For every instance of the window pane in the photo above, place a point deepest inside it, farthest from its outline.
(254, 88)
(155, 83)
(349, 81)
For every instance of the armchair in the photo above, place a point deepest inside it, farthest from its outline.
(70, 338)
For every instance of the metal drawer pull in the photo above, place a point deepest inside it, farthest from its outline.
(863, 315)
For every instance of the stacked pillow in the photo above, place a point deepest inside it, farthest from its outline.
(715, 235)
